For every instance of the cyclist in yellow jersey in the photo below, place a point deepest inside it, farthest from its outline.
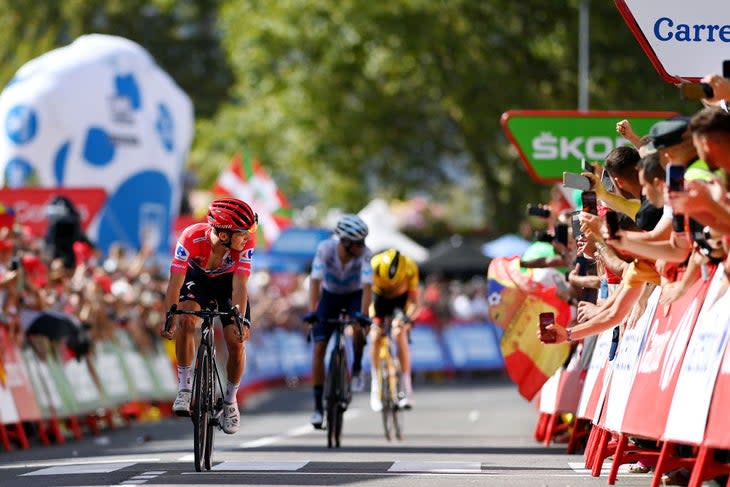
(395, 294)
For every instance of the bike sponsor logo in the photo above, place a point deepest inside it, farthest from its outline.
(246, 255)
(181, 253)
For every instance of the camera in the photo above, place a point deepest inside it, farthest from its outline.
(535, 210)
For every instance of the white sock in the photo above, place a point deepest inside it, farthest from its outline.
(407, 387)
(374, 384)
(184, 377)
(231, 390)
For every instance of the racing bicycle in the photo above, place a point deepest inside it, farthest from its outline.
(387, 368)
(206, 404)
(337, 393)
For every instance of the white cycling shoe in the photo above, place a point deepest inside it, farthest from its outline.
(406, 402)
(231, 418)
(316, 419)
(181, 406)
(375, 403)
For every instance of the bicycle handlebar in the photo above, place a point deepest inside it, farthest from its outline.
(208, 314)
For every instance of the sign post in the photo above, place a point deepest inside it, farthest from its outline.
(550, 142)
(683, 40)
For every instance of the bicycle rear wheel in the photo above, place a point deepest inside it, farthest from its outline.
(337, 396)
(200, 412)
(386, 398)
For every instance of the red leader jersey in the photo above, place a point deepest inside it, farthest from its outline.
(194, 248)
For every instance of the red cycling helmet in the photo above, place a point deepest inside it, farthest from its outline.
(231, 214)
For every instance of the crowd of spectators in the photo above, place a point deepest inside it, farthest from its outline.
(657, 214)
(60, 294)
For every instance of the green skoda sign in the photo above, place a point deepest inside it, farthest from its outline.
(552, 142)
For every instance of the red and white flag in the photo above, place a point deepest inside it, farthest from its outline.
(247, 180)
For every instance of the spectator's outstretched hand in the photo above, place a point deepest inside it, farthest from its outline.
(552, 334)
(626, 131)
(720, 88)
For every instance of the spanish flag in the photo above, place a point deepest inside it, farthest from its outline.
(515, 303)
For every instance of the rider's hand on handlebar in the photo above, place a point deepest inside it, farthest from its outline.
(310, 317)
(361, 319)
(167, 330)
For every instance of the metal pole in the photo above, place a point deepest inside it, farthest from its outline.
(583, 52)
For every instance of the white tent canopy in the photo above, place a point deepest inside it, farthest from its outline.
(383, 233)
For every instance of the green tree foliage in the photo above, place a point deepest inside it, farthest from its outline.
(180, 35)
(350, 97)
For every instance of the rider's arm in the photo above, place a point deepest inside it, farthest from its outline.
(315, 286)
(239, 295)
(367, 299)
(414, 295)
(172, 295)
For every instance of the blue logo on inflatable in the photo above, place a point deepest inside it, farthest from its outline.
(59, 162)
(21, 124)
(17, 172)
(126, 86)
(123, 212)
(165, 127)
(98, 148)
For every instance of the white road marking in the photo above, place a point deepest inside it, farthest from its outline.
(260, 466)
(292, 433)
(80, 469)
(187, 458)
(436, 467)
(79, 461)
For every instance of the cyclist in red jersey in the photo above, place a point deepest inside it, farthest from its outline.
(212, 262)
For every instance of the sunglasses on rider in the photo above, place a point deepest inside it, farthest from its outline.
(356, 243)
(248, 233)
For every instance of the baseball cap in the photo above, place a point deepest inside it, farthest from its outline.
(667, 133)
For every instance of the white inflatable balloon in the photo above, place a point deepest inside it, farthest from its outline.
(100, 112)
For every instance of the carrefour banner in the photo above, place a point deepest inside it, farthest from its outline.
(100, 112)
(683, 40)
(551, 142)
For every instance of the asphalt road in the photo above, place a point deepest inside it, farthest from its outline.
(466, 432)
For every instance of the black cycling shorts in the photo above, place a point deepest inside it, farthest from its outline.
(203, 289)
(386, 306)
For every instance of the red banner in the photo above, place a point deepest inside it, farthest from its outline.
(660, 362)
(718, 421)
(18, 380)
(30, 204)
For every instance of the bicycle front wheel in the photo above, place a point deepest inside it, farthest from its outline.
(199, 408)
(213, 406)
(337, 397)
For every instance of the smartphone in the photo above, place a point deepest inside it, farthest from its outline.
(695, 91)
(575, 221)
(586, 166)
(546, 319)
(675, 177)
(726, 68)
(535, 210)
(589, 294)
(561, 233)
(612, 223)
(590, 203)
(576, 181)
(607, 181)
(697, 231)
